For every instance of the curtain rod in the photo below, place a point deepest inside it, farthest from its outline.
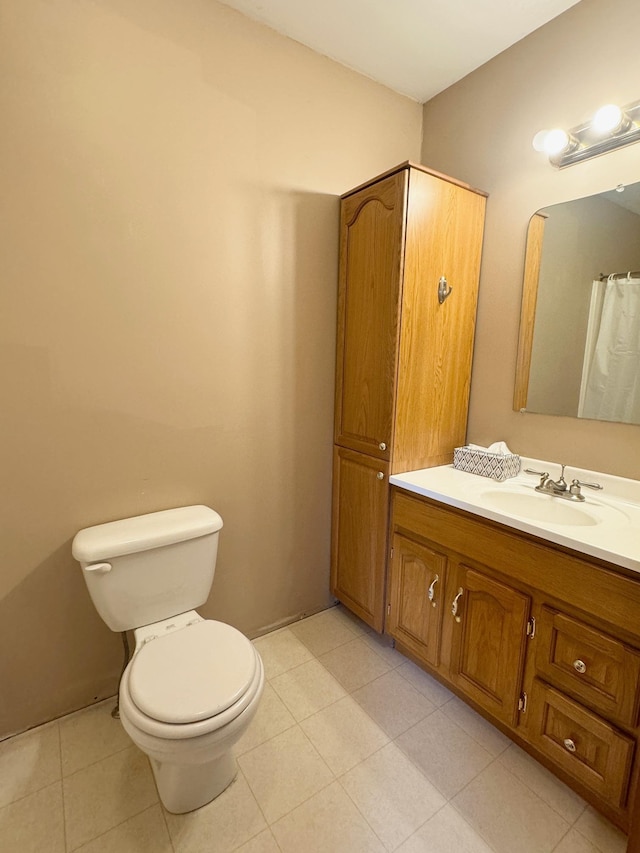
(604, 277)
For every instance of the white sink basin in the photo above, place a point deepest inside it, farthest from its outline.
(546, 508)
(528, 504)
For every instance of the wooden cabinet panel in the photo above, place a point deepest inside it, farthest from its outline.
(593, 751)
(359, 535)
(436, 344)
(416, 589)
(589, 664)
(371, 245)
(488, 644)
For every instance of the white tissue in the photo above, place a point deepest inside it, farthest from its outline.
(499, 447)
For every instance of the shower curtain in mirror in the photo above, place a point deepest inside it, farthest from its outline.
(611, 374)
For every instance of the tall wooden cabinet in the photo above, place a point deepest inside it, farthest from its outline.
(410, 248)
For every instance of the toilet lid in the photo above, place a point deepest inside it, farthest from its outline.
(193, 673)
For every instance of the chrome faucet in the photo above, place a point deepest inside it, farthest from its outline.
(559, 488)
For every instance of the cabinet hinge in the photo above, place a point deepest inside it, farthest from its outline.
(391, 553)
(388, 609)
(531, 628)
(522, 702)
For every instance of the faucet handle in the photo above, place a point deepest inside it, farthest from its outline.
(577, 484)
(544, 476)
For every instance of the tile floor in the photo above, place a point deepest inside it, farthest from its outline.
(353, 749)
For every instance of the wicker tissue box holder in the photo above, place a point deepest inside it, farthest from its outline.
(497, 466)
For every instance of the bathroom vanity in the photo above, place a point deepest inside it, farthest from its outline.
(534, 621)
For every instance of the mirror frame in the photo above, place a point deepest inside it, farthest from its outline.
(532, 259)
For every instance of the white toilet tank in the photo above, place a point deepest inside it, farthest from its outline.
(150, 567)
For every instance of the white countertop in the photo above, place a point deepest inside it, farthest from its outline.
(615, 537)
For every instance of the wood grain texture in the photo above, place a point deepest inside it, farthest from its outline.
(603, 754)
(609, 682)
(414, 619)
(533, 256)
(371, 256)
(487, 655)
(359, 534)
(593, 587)
(411, 165)
(444, 238)
(585, 609)
(403, 361)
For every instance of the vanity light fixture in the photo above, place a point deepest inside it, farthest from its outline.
(611, 127)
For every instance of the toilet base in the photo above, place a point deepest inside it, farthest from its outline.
(185, 787)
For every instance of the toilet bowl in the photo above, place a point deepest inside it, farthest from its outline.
(193, 685)
(185, 702)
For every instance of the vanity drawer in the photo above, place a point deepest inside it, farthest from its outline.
(588, 664)
(581, 743)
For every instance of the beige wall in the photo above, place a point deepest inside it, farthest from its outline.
(480, 130)
(170, 182)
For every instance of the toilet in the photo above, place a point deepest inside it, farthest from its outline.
(193, 685)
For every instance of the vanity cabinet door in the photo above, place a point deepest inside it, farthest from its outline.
(371, 252)
(416, 589)
(488, 642)
(359, 533)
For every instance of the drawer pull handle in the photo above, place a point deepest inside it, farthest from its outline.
(580, 666)
(454, 605)
(569, 745)
(432, 591)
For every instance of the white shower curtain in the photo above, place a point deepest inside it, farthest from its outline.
(611, 388)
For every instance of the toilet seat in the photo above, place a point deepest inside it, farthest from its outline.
(152, 672)
(192, 674)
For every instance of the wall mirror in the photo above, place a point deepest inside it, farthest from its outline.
(579, 344)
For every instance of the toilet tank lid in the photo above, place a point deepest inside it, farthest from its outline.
(143, 532)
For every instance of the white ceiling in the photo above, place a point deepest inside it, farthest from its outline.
(416, 47)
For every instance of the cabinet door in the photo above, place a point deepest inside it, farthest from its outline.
(488, 643)
(443, 241)
(416, 589)
(371, 251)
(359, 536)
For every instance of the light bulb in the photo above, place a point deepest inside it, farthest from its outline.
(538, 140)
(608, 119)
(551, 141)
(556, 141)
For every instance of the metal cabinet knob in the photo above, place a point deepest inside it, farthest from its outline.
(580, 666)
(380, 475)
(569, 745)
(382, 445)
